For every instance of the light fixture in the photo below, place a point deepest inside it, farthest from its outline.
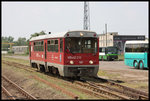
(91, 62)
(81, 34)
(71, 62)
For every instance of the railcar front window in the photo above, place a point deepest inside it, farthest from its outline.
(81, 45)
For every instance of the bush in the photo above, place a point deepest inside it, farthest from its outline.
(10, 52)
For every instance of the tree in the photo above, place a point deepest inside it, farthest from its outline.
(37, 34)
(20, 42)
(6, 40)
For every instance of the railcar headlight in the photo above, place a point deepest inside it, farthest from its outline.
(91, 62)
(71, 62)
(81, 34)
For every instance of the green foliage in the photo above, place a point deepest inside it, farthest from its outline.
(37, 34)
(6, 40)
(121, 57)
(10, 52)
(20, 42)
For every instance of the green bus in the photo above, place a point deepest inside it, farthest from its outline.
(108, 53)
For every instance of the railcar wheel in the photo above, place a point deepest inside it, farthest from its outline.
(136, 65)
(41, 68)
(141, 65)
(55, 71)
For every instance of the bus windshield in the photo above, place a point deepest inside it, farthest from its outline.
(136, 47)
(111, 50)
(102, 50)
(81, 45)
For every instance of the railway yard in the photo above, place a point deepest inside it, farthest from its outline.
(115, 81)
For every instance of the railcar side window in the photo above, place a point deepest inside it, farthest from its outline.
(48, 45)
(39, 46)
(52, 45)
(56, 46)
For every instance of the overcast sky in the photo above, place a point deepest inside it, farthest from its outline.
(21, 19)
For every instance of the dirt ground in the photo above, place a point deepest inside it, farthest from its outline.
(116, 70)
(36, 89)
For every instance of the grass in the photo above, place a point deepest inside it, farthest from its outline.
(26, 62)
(107, 75)
(32, 83)
(136, 85)
(121, 57)
(10, 54)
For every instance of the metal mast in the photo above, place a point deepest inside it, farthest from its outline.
(86, 25)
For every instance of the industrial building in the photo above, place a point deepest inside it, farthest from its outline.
(114, 39)
(19, 49)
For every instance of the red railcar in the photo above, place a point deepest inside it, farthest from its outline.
(69, 54)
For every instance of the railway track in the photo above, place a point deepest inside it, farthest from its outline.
(109, 89)
(18, 65)
(102, 91)
(132, 93)
(28, 68)
(18, 92)
(7, 94)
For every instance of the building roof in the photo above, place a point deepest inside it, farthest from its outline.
(18, 46)
(136, 41)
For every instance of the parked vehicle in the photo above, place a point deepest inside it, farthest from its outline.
(108, 53)
(136, 54)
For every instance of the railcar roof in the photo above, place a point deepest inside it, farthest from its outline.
(56, 35)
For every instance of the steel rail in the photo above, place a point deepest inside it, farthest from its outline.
(9, 95)
(124, 92)
(56, 87)
(25, 93)
(129, 89)
(99, 90)
(19, 66)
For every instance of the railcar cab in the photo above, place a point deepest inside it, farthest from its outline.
(81, 53)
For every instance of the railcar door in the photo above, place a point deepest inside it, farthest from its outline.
(29, 50)
(45, 52)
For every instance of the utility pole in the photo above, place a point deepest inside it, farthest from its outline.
(86, 25)
(106, 33)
